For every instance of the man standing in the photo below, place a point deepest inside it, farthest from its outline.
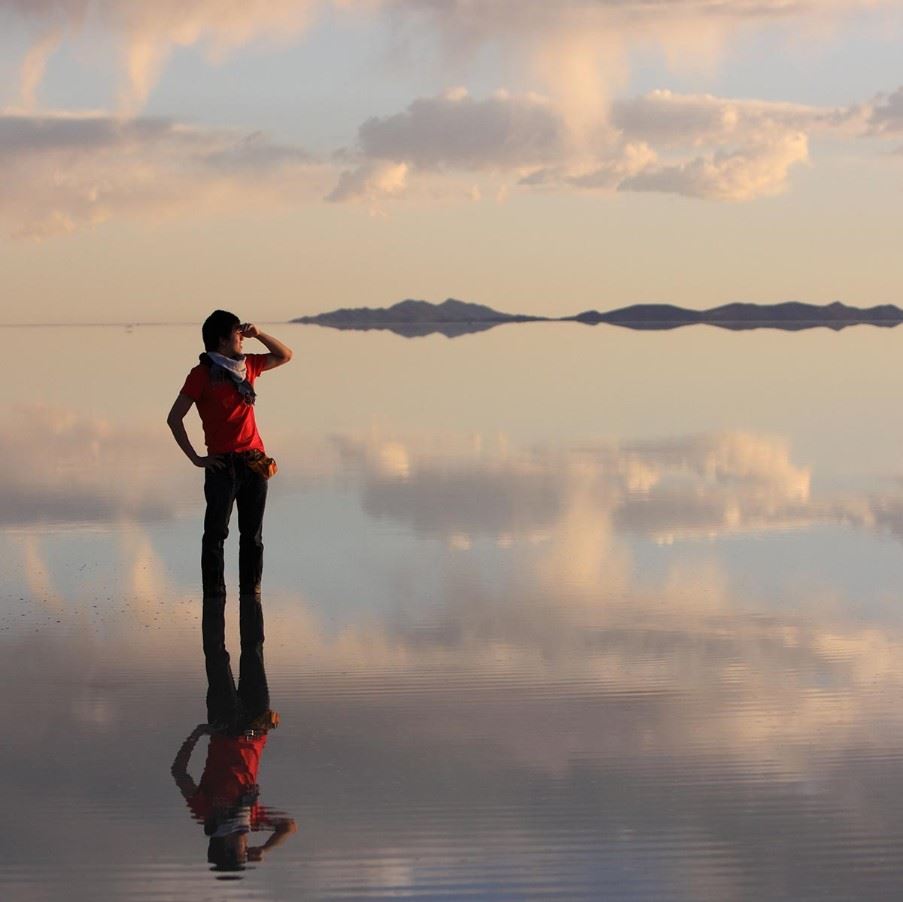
(235, 472)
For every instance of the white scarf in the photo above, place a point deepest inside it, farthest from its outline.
(236, 366)
(237, 370)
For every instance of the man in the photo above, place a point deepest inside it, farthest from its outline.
(222, 387)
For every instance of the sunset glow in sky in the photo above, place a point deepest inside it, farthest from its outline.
(281, 157)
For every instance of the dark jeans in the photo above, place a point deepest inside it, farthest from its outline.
(235, 484)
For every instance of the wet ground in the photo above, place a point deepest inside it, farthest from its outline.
(550, 614)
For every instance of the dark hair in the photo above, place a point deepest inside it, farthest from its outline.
(224, 856)
(218, 325)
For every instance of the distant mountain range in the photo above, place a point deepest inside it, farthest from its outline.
(790, 316)
(413, 319)
(453, 318)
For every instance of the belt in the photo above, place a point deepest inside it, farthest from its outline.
(242, 455)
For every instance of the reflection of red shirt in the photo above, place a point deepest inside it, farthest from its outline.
(229, 423)
(230, 773)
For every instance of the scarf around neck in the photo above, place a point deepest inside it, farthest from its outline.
(237, 370)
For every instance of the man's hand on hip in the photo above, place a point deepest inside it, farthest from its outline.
(210, 462)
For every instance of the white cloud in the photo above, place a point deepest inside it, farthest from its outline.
(631, 159)
(65, 171)
(370, 182)
(758, 170)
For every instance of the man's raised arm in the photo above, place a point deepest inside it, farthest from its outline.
(279, 353)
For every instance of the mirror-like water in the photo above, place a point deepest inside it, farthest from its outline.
(551, 612)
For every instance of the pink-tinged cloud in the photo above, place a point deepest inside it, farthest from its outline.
(758, 170)
(64, 171)
(370, 182)
(693, 145)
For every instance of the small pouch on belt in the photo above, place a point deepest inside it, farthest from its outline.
(260, 463)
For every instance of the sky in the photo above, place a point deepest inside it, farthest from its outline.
(285, 157)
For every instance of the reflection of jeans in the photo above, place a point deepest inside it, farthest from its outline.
(239, 484)
(225, 705)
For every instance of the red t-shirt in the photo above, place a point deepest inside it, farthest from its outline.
(230, 773)
(228, 420)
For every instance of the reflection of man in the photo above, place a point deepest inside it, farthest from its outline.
(226, 800)
(236, 472)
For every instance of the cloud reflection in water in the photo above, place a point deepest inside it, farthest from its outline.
(553, 698)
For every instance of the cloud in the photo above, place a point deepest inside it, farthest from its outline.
(75, 468)
(69, 170)
(753, 144)
(885, 115)
(629, 719)
(370, 182)
(27, 135)
(69, 468)
(629, 703)
(148, 32)
(580, 49)
(577, 46)
(628, 159)
(493, 17)
(576, 139)
(503, 498)
(525, 139)
(454, 132)
(669, 120)
(749, 147)
(458, 131)
(696, 487)
(758, 170)
(256, 152)
(64, 171)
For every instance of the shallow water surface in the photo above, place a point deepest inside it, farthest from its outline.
(551, 612)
